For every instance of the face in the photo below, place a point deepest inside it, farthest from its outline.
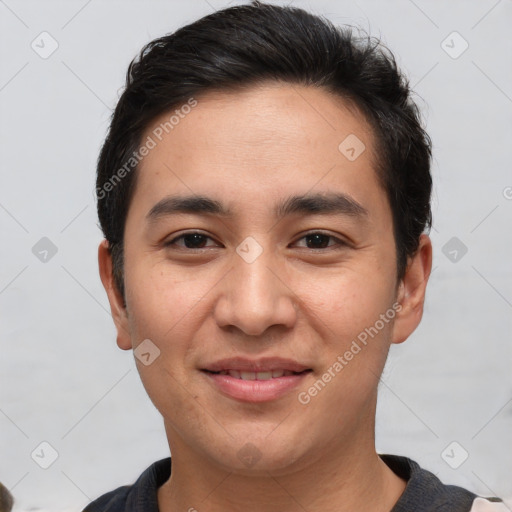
(271, 302)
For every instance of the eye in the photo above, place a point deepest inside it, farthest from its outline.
(319, 240)
(198, 240)
(191, 240)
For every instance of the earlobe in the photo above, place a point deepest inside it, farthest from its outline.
(117, 306)
(411, 291)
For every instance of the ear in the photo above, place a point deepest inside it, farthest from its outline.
(117, 307)
(411, 291)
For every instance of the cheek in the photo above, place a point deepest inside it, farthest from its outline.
(164, 309)
(349, 303)
(353, 347)
(160, 303)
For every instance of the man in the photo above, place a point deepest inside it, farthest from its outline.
(264, 191)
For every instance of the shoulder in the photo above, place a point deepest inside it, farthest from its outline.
(142, 493)
(425, 492)
(112, 501)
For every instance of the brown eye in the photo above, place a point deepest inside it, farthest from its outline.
(319, 240)
(192, 240)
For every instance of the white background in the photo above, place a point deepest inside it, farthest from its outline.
(62, 378)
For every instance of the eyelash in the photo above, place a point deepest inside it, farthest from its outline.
(340, 243)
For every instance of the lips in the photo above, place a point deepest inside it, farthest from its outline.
(259, 380)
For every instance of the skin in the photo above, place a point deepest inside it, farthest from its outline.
(251, 149)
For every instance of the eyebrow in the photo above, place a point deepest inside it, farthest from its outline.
(312, 204)
(321, 204)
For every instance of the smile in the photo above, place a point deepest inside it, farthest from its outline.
(267, 375)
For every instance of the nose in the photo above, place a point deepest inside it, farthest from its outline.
(255, 296)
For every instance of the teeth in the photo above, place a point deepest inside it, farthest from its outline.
(263, 375)
(273, 374)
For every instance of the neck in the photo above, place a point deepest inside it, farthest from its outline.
(350, 476)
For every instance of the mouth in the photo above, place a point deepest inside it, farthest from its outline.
(264, 375)
(255, 381)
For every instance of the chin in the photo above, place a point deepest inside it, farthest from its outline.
(261, 457)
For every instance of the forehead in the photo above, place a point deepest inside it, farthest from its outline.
(270, 139)
(264, 116)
